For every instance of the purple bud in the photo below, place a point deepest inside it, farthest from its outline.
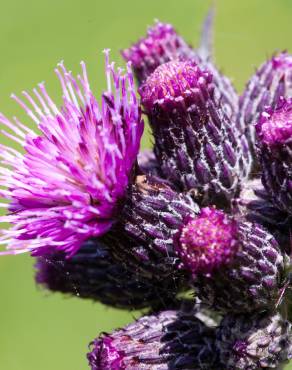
(196, 144)
(207, 241)
(271, 81)
(144, 234)
(274, 130)
(251, 275)
(169, 340)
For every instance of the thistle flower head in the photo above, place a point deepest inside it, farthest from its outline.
(175, 83)
(161, 44)
(274, 130)
(271, 82)
(207, 241)
(168, 340)
(196, 144)
(275, 126)
(66, 186)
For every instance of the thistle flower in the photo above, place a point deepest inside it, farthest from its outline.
(259, 341)
(196, 144)
(237, 266)
(271, 81)
(68, 184)
(93, 273)
(274, 131)
(169, 340)
(207, 241)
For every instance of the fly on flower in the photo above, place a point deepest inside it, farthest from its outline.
(68, 184)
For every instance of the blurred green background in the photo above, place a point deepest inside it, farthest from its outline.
(43, 331)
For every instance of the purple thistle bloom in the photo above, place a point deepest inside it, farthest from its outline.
(196, 144)
(271, 81)
(237, 265)
(67, 186)
(274, 131)
(168, 340)
(207, 241)
(253, 278)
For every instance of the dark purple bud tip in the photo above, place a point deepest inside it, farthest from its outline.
(176, 83)
(275, 126)
(207, 241)
(104, 355)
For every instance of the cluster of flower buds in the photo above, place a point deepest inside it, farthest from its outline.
(209, 209)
